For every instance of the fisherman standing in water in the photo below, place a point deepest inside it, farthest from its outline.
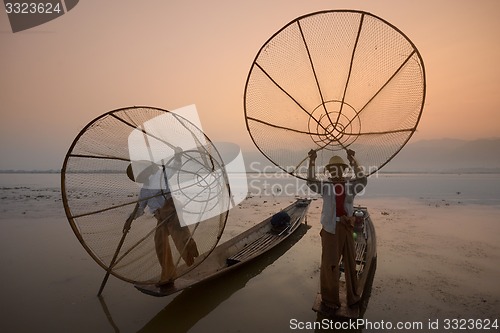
(337, 227)
(155, 194)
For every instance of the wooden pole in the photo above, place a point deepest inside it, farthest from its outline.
(126, 228)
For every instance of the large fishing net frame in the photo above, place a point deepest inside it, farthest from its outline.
(332, 81)
(99, 196)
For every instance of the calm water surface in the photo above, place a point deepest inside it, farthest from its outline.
(49, 283)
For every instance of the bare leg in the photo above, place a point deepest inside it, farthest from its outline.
(164, 253)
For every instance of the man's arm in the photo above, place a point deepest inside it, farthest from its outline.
(358, 171)
(177, 158)
(132, 217)
(176, 165)
(360, 180)
(140, 206)
(312, 182)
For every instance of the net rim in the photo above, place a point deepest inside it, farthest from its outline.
(70, 216)
(322, 12)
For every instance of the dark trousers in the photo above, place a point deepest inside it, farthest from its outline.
(333, 246)
(169, 225)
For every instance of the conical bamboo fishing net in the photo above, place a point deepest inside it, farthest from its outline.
(99, 196)
(332, 81)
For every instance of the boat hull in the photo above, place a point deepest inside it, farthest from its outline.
(235, 252)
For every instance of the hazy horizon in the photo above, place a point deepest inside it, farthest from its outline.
(445, 155)
(59, 76)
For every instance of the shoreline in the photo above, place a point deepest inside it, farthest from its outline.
(437, 258)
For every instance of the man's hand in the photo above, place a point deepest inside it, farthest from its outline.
(177, 154)
(128, 223)
(312, 154)
(350, 155)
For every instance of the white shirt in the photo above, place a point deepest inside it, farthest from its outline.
(155, 190)
(326, 189)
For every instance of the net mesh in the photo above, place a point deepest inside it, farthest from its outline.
(99, 196)
(332, 81)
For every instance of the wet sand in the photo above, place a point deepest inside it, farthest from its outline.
(436, 260)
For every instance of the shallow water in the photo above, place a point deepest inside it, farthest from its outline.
(460, 188)
(50, 282)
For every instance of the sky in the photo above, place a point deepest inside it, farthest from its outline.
(104, 55)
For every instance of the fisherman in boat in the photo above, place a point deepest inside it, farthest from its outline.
(155, 194)
(337, 226)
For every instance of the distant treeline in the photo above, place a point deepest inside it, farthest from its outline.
(30, 171)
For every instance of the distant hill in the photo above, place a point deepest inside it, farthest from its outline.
(448, 155)
(439, 155)
(255, 161)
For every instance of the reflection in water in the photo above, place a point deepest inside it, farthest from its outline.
(363, 304)
(108, 314)
(187, 305)
(194, 303)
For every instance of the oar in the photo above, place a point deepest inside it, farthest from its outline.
(126, 228)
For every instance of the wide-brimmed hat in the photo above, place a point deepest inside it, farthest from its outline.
(336, 161)
(139, 171)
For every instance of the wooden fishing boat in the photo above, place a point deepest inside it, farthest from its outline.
(235, 252)
(366, 262)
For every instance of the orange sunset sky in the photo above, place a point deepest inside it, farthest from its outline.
(103, 55)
